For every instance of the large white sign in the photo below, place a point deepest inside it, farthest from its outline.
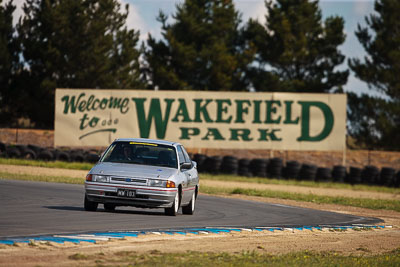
(280, 121)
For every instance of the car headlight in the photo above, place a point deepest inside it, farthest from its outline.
(157, 183)
(100, 178)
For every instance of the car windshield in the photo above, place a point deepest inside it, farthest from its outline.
(141, 153)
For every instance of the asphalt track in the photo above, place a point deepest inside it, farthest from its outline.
(37, 208)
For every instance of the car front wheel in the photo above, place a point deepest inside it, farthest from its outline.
(90, 205)
(189, 209)
(172, 211)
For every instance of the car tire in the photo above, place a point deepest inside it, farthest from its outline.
(90, 205)
(109, 207)
(172, 211)
(189, 209)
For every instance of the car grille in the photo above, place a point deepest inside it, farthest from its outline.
(129, 180)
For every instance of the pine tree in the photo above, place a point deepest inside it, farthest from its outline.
(376, 121)
(9, 61)
(296, 50)
(381, 67)
(75, 44)
(200, 50)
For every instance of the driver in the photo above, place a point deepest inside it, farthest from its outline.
(128, 154)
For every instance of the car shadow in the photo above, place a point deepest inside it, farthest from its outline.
(117, 211)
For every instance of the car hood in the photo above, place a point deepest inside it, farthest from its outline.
(133, 170)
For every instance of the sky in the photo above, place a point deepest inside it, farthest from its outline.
(143, 13)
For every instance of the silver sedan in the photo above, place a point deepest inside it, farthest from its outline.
(143, 173)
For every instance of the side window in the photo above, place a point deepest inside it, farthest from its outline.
(187, 158)
(180, 155)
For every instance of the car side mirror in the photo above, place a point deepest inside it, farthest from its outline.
(186, 166)
(194, 163)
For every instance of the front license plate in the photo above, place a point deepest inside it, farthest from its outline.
(126, 193)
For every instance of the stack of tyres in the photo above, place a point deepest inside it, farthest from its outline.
(397, 181)
(46, 155)
(62, 155)
(200, 159)
(387, 176)
(258, 167)
(92, 157)
(26, 152)
(370, 175)
(229, 165)
(339, 173)
(354, 176)
(3, 153)
(324, 175)
(13, 152)
(213, 164)
(307, 172)
(292, 169)
(275, 168)
(244, 165)
(77, 155)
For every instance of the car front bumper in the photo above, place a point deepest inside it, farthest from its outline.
(145, 197)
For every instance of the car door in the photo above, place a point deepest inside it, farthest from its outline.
(193, 176)
(184, 174)
(186, 188)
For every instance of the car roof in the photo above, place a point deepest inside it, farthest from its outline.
(143, 140)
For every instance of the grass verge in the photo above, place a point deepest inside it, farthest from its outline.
(258, 180)
(156, 258)
(41, 178)
(375, 204)
(48, 164)
(355, 202)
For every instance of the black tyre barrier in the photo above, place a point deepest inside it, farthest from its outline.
(244, 169)
(274, 168)
(46, 155)
(21, 148)
(2, 147)
(291, 170)
(307, 172)
(354, 176)
(28, 154)
(339, 173)
(212, 164)
(370, 175)
(397, 181)
(36, 149)
(387, 176)
(92, 157)
(200, 159)
(323, 175)
(229, 165)
(63, 156)
(13, 152)
(258, 167)
(77, 156)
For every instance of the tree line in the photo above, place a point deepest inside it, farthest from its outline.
(206, 46)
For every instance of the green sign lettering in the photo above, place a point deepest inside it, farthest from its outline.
(153, 113)
(221, 109)
(305, 121)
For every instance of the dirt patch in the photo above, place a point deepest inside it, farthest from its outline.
(351, 242)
